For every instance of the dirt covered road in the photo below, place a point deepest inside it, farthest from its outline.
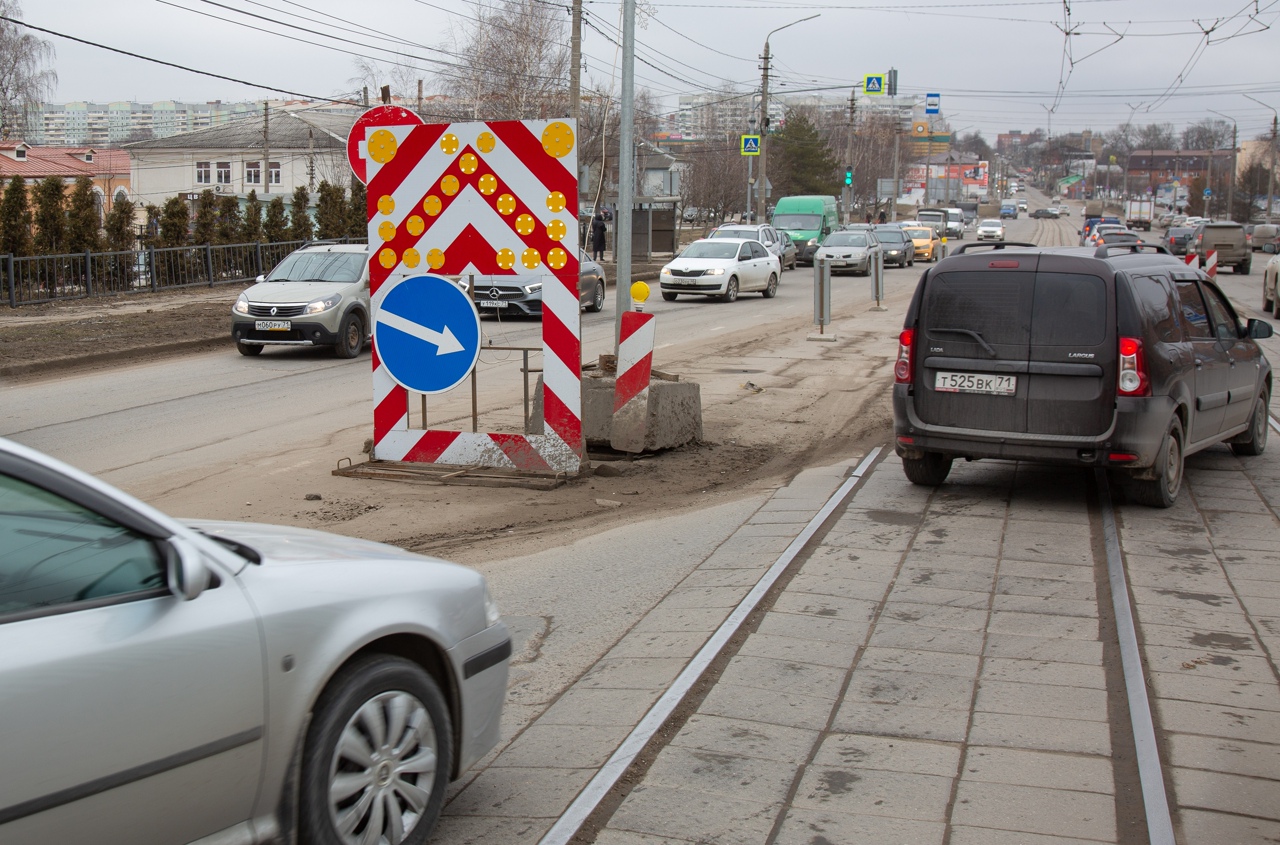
(773, 403)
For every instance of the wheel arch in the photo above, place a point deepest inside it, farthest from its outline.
(415, 648)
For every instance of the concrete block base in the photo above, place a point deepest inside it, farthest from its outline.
(675, 412)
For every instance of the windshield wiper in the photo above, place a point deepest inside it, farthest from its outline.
(975, 335)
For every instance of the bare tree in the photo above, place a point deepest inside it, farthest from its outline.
(26, 78)
(1155, 136)
(402, 76)
(1208, 134)
(514, 62)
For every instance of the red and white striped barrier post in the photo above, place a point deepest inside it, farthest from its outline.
(1191, 258)
(1211, 263)
(630, 422)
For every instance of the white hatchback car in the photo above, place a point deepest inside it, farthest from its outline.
(991, 230)
(723, 267)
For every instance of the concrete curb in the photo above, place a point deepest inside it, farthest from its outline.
(140, 353)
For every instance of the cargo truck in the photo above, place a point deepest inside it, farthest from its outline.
(1138, 213)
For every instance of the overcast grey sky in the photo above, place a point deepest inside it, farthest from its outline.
(998, 64)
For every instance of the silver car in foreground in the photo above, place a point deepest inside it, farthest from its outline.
(175, 682)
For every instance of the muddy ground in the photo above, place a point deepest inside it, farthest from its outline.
(791, 406)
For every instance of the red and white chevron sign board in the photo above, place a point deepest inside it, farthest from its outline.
(1211, 263)
(631, 387)
(498, 198)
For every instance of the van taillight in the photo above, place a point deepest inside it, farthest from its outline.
(1133, 379)
(906, 348)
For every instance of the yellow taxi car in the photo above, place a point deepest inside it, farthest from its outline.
(925, 238)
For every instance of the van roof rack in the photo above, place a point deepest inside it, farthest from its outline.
(992, 245)
(1104, 250)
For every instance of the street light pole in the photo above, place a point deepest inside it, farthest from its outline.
(1271, 180)
(1231, 183)
(764, 121)
(751, 130)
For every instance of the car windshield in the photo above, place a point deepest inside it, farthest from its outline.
(891, 235)
(807, 222)
(919, 234)
(320, 266)
(703, 249)
(749, 234)
(846, 239)
(993, 223)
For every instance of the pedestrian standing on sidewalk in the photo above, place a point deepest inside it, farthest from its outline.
(598, 229)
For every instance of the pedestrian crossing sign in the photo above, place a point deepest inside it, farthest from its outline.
(873, 84)
(751, 145)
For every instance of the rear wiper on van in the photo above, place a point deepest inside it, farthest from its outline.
(986, 346)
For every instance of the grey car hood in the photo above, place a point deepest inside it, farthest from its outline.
(281, 292)
(282, 545)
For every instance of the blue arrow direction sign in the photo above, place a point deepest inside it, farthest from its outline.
(751, 145)
(427, 334)
(1208, 193)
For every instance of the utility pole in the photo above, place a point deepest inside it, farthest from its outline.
(763, 179)
(575, 60)
(853, 115)
(897, 180)
(311, 160)
(1271, 179)
(626, 163)
(762, 184)
(266, 147)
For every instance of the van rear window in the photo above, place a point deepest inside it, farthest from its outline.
(996, 306)
(1049, 309)
(1070, 310)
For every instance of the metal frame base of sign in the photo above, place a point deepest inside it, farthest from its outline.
(445, 474)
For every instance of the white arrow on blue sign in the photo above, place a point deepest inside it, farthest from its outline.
(427, 334)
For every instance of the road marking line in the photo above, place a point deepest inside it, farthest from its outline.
(1159, 824)
(598, 788)
(1275, 426)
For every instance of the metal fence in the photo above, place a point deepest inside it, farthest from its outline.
(52, 278)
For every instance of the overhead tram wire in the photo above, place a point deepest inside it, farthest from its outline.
(174, 65)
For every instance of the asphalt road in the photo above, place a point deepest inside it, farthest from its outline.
(609, 614)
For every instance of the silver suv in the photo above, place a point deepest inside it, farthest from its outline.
(317, 296)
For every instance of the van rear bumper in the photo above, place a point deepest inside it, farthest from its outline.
(1137, 429)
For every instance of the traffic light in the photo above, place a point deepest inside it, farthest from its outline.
(848, 175)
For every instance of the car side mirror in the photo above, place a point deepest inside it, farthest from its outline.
(188, 575)
(1259, 329)
(1269, 248)
(261, 279)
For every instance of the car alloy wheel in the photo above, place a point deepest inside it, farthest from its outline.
(376, 763)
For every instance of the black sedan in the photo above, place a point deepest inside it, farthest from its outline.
(1045, 214)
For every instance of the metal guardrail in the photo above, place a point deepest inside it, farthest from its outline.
(31, 280)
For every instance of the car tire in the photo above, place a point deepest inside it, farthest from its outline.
(771, 289)
(249, 349)
(1162, 490)
(350, 337)
(1245, 269)
(730, 290)
(1256, 437)
(668, 296)
(597, 298)
(1268, 302)
(929, 471)
(361, 701)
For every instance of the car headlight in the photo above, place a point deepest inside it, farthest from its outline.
(318, 306)
(717, 271)
(242, 304)
(491, 615)
(533, 288)
(813, 242)
(666, 271)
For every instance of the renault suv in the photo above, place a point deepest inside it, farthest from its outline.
(316, 296)
(1118, 356)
